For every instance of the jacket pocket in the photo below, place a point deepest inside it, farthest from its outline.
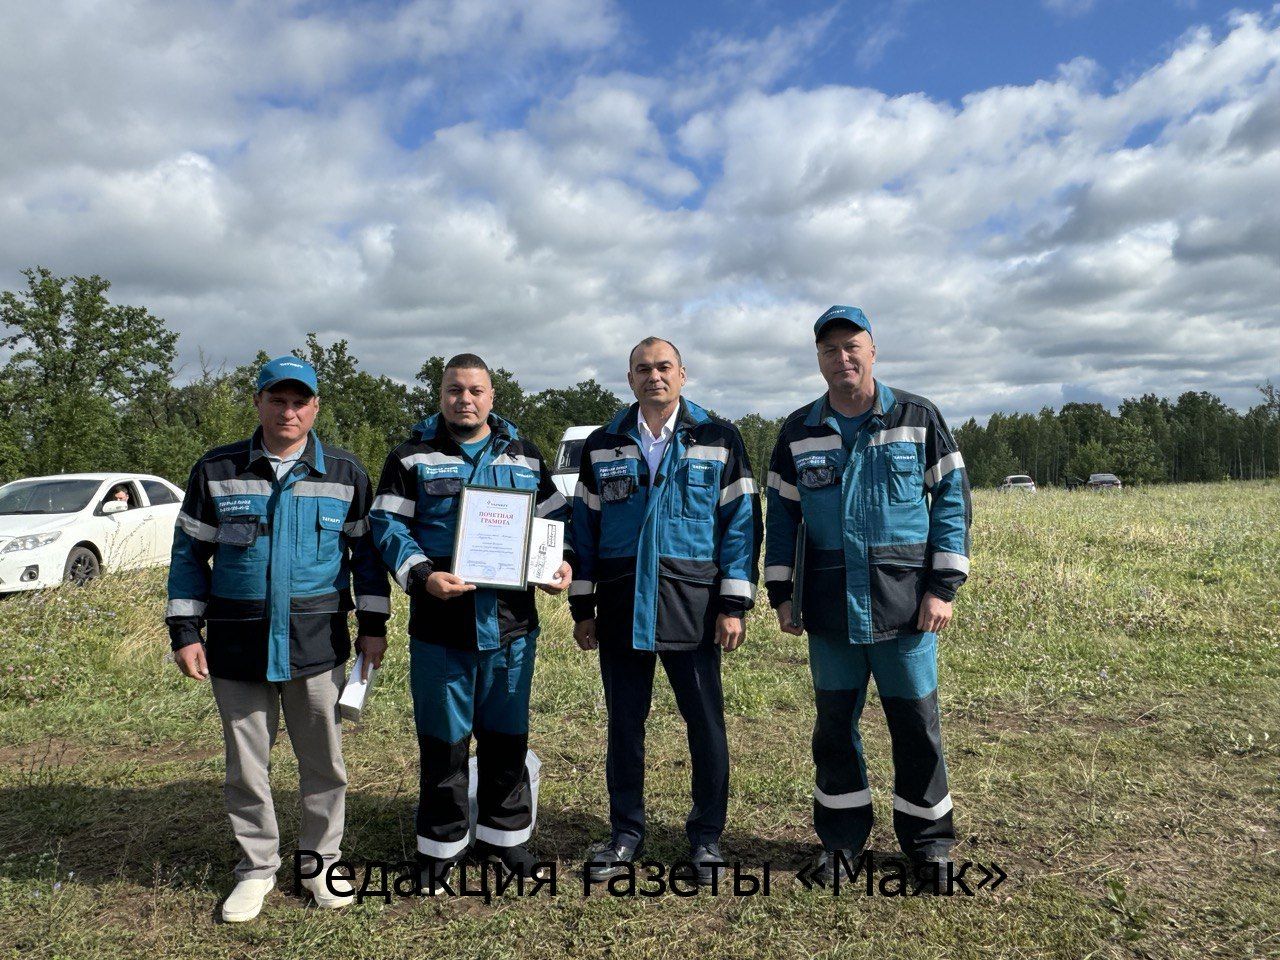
(328, 535)
(698, 484)
(241, 530)
(898, 579)
(618, 489)
(905, 478)
(823, 605)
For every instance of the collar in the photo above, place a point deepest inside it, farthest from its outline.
(312, 454)
(667, 430)
(687, 416)
(820, 410)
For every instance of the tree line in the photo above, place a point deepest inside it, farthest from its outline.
(87, 385)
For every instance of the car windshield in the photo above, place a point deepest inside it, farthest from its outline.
(1103, 477)
(570, 456)
(1020, 480)
(47, 496)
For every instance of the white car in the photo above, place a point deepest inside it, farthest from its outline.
(568, 457)
(75, 525)
(1018, 483)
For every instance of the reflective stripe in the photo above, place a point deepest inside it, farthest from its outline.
(552, 504)
(581, 588)
(441, 849)
(185, 608)
(510, 460)
(738, 588)
(231, 488)
(952, 461)
(372, 603)
(951, 561)
(630, 452)
(936, 812)
(739, 488)
(432, 459)
(843, 801)
(390, 503)
(503, 838)
(775, 574)
(196, 530)
(356, 528)
(586, 496)
(898, 435)
(402, 575)
(316, 488)
(786, 490)
(813, 444)
(703, 452)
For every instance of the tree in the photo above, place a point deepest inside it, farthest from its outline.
(76, 361)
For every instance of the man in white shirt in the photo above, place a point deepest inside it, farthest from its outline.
(666, 530)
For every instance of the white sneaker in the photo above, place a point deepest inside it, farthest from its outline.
(325, 899)
(245, 901)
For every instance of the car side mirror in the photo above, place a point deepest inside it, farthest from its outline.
(115, 506)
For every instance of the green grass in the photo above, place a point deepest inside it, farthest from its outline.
(1111, 715)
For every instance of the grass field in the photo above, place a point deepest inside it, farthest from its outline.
(1111, 714)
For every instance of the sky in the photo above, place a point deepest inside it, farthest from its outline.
(1035, 201)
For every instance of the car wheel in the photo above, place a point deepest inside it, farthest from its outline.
(82, 566)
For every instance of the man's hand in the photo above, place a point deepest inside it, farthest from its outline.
(191, 661)
(935, 614)
(373, 648)
(730, 631)
(784, 620)
(584, 632)
(563, 577)
(445, 586)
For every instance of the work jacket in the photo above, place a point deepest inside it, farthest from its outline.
(274, 604)
(415, 520)
(658, 562)
(887, 520)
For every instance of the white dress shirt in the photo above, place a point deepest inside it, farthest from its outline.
(654, 447)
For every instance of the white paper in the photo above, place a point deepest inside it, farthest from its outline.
(356, 692)
(546, 550)
(492, 523)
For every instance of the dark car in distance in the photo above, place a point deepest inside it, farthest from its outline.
(1103, 481)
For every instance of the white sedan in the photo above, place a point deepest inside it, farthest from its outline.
(75, 525)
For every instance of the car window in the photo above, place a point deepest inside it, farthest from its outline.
(158, 493)
(569, 456)
(133, 500)
(47, 496)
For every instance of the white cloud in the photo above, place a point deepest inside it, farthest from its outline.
(243, 171)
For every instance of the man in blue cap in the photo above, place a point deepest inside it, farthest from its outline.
(272, 532)
(881, 488)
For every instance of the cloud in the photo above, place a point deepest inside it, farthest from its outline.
(245, 172)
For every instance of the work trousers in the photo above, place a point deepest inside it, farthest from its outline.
(250, 712)
(906, 675)
(458, 693)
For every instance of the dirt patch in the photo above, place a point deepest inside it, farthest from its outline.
(56, 752)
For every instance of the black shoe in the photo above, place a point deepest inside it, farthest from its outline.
(931, 873)
(518, 860)
(707, 862)
(822, 869)
(434, 875)
(606, 860)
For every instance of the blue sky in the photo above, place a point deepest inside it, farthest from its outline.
(1036, 201)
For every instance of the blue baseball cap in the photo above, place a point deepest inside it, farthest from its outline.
(287, 368)
(839, 312)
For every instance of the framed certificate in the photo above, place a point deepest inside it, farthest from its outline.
(491, 548)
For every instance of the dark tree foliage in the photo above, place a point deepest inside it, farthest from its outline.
(87, 385)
